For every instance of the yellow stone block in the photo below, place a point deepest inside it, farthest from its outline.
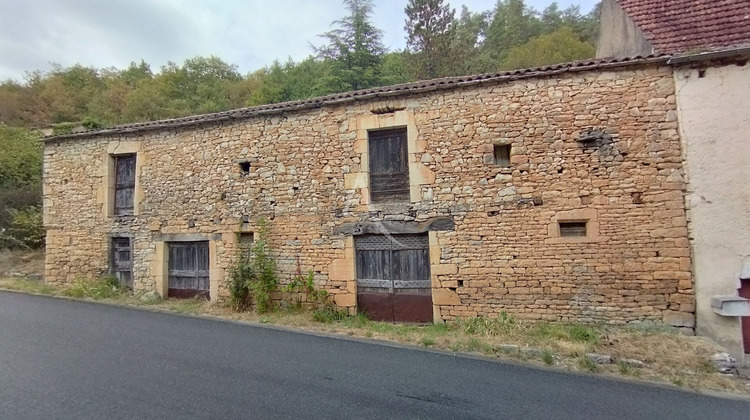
(356, 180)
(445, 297)
(345, 299)
(341, 270)
(442, 269)
(419, 174)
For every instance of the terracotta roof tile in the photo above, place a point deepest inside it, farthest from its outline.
(674, 26)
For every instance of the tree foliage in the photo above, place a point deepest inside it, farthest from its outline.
(556, 47)
(511, 35)
(430, 31)
(354, 49)
(20, 188)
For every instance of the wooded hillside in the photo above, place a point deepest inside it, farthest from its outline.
(440, 42)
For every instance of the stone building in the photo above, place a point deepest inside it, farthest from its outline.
(710, 45)
(553, 194)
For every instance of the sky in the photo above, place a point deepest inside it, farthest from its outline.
(249, 33)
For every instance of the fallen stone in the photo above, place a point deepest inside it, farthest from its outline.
(599, 359)
(531, 351)
(724, 363)
(150, 297)
(634, 363)
(508, 348)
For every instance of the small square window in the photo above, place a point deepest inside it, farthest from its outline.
(572, 229)
(502, 155)
(245, 167)
(247, 240)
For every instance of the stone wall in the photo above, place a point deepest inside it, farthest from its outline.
(308, 176)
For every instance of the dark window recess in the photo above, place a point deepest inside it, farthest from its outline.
(502, 155)
(124, 183)
(389, 166)
(572, 229)
(245, 167)
(188, 269)
(247, 240)
(122, 261)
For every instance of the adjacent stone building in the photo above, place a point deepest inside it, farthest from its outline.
(710, 45)
(554, 194)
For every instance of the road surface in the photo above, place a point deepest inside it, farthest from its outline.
(70, 359)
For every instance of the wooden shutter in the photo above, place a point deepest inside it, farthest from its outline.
(124, 183)
(122, 261)
(389, 166)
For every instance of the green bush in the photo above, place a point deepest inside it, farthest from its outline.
(252, 278)
(26, 229)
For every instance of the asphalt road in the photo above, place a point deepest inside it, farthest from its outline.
(78, 360)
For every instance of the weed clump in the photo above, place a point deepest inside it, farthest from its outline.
(252, 278)
(104, 288)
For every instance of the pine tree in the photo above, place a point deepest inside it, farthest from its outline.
(354, 48)
(431, 30)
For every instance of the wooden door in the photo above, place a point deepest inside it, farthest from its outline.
(393, 277)
(745, 293)
(389, 166)
(124, 184)
(188, 269)
(122, 261)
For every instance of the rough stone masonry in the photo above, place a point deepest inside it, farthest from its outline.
(598, 146)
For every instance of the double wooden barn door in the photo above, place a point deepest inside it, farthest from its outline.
(393, 277)
(188, 269)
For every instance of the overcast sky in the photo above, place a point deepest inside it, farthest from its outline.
(249, 33)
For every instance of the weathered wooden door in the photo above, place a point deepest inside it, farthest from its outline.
(393, 277)
(389, 166)
(744, 292)
(124, 184)
(188, 269)
(122, 261)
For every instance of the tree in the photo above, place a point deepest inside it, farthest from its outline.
(21, 159)
(513, 24)
(558, 47)
(471, 30)
(20, 176)
(354, 49)
(430, 31)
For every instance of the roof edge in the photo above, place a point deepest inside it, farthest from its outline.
(368, 94)
(709, 55)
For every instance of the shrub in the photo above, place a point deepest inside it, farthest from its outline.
(26, 229)
(253, 275)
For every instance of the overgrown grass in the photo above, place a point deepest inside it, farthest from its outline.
(103, 288)
(23, 285)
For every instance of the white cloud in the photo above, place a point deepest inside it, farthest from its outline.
(112, 33)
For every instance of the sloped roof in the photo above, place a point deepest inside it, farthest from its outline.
(674, 26)
(372, 93)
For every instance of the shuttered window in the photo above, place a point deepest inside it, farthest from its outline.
(389, 166)
(572, 229)
(124, 183)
